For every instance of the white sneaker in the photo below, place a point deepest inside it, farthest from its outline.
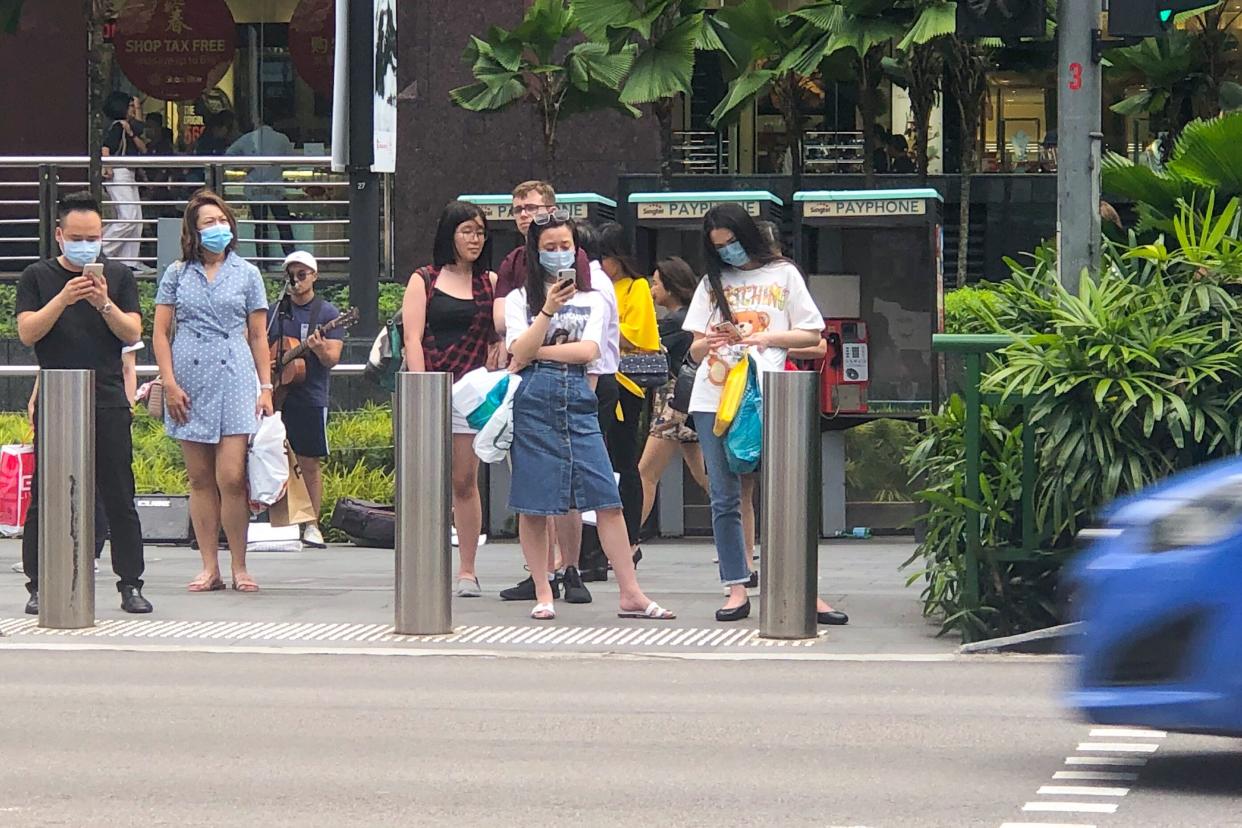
(17, 567)
(312, 537)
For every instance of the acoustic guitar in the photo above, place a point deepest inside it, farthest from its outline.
(289, 353)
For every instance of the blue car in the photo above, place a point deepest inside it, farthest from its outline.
(1160, 597)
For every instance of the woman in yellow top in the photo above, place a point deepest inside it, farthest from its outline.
(639, 334)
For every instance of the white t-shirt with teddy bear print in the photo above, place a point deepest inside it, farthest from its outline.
(770, 298)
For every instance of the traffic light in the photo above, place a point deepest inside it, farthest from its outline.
(1147, 18)
(1007, 19)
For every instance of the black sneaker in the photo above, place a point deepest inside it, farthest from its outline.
(133, 602)
(525, 590)
(32, 604)
(575, 592)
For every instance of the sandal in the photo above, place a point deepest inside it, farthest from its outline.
(653, 612)
(202, 584)
(543, 612)
(245, 585)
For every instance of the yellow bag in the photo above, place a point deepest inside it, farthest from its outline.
(731, 396)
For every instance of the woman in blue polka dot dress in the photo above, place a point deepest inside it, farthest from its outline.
(217, 377)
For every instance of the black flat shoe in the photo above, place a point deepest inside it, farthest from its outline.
(575, 592)
(133, 602)
(753, 583)
(832, 618)
(524, 590)
(32, 604)
(734, 614)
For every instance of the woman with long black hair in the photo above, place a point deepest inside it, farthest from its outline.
(752, 301)
(554, 327)
(447, 313)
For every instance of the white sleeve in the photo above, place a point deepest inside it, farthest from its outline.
(516, 322)
(594, 330)
(803, 314)
(700, 310)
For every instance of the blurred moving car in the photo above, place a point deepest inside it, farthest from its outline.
(1160, 596)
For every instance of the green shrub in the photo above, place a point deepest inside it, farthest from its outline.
(1138, 377)
(874, 455)
(968, 309)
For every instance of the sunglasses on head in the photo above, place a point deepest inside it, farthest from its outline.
(557, 214)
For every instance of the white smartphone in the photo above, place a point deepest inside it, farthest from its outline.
(568, 275)
(729, 328)
(94, 271)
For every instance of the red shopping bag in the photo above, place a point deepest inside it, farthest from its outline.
(17, 465)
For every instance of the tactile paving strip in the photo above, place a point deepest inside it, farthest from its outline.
(644, 635)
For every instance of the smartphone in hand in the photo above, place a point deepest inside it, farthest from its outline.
(566, 276)
(730, 329)
(94, 271)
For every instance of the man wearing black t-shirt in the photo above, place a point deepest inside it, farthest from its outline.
(75, 322)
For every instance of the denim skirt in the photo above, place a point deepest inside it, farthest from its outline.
(558, 456)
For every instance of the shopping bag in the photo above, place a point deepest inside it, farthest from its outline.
(731, 396)
(267, 470)
(744, 443)
(295, 507)
(470, 393)
(494, 399)
(17, 465)
(494, 439)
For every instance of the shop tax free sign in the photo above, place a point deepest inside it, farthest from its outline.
(175, 49)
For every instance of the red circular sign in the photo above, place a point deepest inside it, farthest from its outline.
(175, 49)
(312, 43)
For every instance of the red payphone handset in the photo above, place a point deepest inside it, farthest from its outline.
(846, 370)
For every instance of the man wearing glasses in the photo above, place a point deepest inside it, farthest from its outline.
(305, 406)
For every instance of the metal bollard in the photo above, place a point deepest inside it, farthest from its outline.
(66, 472)
(424, 423)
(791, 504)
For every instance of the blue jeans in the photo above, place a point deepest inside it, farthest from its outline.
(726, 497)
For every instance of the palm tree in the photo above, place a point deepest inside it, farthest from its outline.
(779, 55)
(668, 35)
(538, 64)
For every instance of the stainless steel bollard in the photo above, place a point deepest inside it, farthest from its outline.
(422, 413)
(66, 472)
(791, 504)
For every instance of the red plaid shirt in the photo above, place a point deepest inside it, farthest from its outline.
(470, 351)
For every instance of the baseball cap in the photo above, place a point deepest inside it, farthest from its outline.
(301, 257)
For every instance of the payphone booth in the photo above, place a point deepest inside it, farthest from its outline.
(503, 237)
(498, 209)
(874, 261)
(671, 224)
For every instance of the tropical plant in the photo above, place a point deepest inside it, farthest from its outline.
(1206, 165)
(967, 310)
(875, 453)
(538, 64)
(968, 65)
(779, 55)
(1136, 378)
(668, 35)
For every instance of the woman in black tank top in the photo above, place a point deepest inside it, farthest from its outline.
(447, 316)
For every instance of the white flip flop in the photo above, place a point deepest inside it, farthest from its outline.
(543, 612)
(653, 612)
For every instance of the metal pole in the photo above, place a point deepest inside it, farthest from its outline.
(47, 210)
(421, 411)
(1078, 124)
(364, 185)
(789, 524)
(66, 473)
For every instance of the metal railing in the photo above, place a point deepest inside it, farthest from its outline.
(305, 205)
(834, 152)
(701, 152)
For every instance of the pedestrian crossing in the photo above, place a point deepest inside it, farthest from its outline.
(638, 636)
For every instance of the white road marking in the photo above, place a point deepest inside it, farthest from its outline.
(1045, 825)
(1096, 776)
(1080, 790)
(1113, 761)
(1118, 747)
(1071, 807)
(1126, 733)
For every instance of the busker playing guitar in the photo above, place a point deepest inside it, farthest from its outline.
(304, 408)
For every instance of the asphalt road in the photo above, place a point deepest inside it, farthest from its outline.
(96, 738)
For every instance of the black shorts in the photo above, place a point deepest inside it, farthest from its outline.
(307, 428)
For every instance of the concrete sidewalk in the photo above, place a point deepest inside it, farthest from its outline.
(343, 596)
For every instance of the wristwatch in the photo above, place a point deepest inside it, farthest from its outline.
(267, 386)
(106, 309)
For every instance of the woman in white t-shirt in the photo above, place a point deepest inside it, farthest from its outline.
(751, 300)
(554, 330)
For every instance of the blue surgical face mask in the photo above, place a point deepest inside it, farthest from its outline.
(216, 238)
(733, 254)
(82, 253)
(554, 260)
